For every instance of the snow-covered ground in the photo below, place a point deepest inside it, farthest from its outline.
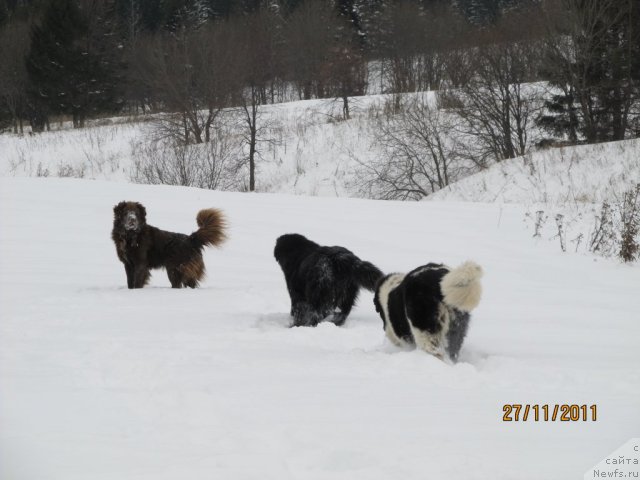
(100, 382)
(310, 150)
(557, 177)
(566, 185)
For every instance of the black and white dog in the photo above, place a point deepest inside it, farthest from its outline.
(429, 307)
(322, 281)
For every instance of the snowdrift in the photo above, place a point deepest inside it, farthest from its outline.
(100, 382)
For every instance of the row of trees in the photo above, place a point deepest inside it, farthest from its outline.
(87, 57)
(72, 61)
(194, 58)
(587, 53)
(594, 63)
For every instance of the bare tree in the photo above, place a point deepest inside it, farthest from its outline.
(422, 47)
(309, 38)
(212, 53)
(194, 74)
(418, 154)
(630, 225)
(257, 48)
(496, 106)
(403, 45)
(345, 75)
(213, 165)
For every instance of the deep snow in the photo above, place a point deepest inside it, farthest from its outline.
(558, 177)
(309, 150)
(99, 382)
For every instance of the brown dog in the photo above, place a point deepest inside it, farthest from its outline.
(142, 247)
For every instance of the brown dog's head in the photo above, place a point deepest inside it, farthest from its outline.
(129, 216)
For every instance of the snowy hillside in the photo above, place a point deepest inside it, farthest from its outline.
(556, 176)
(563, 190)
(99, 382)
(309, 151)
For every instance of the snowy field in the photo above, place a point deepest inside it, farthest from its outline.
(309, 151)
(570, 181)
(99, 382)
(558, 177)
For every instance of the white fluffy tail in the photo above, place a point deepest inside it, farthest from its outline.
(461, 286)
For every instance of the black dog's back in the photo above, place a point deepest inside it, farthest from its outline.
(321, 279)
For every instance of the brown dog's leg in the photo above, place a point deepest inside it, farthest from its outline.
(175, 277)
(128, 268)
(140, 276)
(192, 272)
(191, 283)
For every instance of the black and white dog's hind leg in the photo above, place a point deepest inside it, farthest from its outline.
(461, 292)
(458, 325)
(437, 302)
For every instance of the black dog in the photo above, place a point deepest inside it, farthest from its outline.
(429, 307)
(321, 279)
(142, 247)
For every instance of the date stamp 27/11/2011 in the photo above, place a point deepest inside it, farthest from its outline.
(518, 412)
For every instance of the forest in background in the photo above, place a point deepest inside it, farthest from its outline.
(85, 58)
(502, 72)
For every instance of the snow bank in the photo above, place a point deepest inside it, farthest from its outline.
(99, 382)
(556, 176)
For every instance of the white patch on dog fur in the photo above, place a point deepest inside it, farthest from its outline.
(427, 268)
(383, 297)
(461, 287)
(435, 344)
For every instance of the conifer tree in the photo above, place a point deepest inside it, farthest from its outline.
(72, 66)
(596, 70)
(4, 12)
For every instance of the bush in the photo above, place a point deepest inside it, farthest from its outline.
(419, 154)
(213, 165)
(630, 225)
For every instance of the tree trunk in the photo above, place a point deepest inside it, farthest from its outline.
(252, 144)
(252, 161)
(345, 107)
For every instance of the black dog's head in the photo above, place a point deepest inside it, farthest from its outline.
(129, 216)
(290, 245)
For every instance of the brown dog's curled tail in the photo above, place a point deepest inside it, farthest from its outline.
(212, 228)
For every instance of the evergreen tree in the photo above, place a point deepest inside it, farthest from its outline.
(479, 12)
(220, 8)
(71, 64)
(190, 14)
(485, 12)
(136, 16)
(348, 11)
(4, 13)
(596, 68)
(151, 17)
